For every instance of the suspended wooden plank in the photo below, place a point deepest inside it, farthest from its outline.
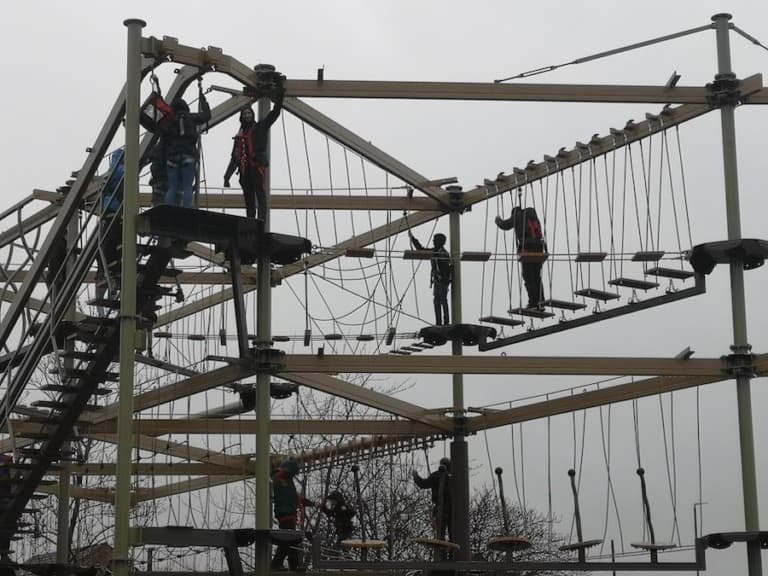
(509, 543)
(633, 283)
(475, 256)
(580, 545)
(564, 304)
(281, 338)
(591, 256)
(417, 254)
(647, 256)
(365, 337)
(359, 252)
(531, 312)
(675, 273)
(503, 320)
(597, 294)
(437, 543)
(334, 337)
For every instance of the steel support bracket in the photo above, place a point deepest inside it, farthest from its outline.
(269, 360)
(740, 364)
(724, 90)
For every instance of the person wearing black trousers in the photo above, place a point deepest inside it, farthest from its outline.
(249, 154)
(529, 238)
(440, 277)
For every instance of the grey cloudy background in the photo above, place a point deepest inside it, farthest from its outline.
(65, 63)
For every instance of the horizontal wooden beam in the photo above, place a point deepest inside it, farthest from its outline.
(245, 427)
(383, 364)
(602, 93)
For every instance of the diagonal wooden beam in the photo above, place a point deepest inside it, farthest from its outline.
(594, 398)
(181, 389)
(179, 450)
(368, 397)
(367, 150)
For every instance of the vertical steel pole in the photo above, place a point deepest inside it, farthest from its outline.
(62, 523)
(738, 305)
(128, 300)
(459, 452)
(263, 342)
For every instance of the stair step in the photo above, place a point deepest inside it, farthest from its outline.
(78, 373)
(72, 389)
(61, 406)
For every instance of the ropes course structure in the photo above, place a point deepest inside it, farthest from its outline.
(202, 348)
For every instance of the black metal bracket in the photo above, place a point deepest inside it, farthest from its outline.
(270, 360)
(740, 364)
(724, 90)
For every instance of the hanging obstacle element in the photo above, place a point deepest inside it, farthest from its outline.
(652, 546)
(506, 543)
(580, 545)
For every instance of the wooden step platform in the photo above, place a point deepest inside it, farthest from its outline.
(417, 254)
(674, 273)
(359, 252)
(503, 320)
(509, 543)
(633, 283)
(564, 304)
(475, 256)
(597, 294)
(591, 256)
(531, 312)
(647, 256)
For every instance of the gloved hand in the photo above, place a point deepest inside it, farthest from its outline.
(226, 182)
(497, 220)
(414, 474)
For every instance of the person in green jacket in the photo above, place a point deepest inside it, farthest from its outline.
(286, 505)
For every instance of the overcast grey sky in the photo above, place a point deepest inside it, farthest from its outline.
(65, 64)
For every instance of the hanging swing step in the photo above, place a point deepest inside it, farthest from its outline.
(597, 294)
(531, 312)
(591, 256)
(675, 273)
(633, 283)
(647, 256)
(574, 546)
(504, 321)
(417, 254)
(532, 257)
(424, 345)
(564, 304)
(365, 338)
(411, 349)
(63, 388)
(508, 543)
(653, 546)
(475, 256)
(400, 351)
(359, 252)
(437, 543)
(281, 338)
(333, 337)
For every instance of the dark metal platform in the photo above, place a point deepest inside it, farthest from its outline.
(224, 231)
(750, 252)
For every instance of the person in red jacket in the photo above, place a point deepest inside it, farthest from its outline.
(249, 154)
(529, 238)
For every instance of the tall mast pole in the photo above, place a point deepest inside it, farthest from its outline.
(740, 348)
(128, 299)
